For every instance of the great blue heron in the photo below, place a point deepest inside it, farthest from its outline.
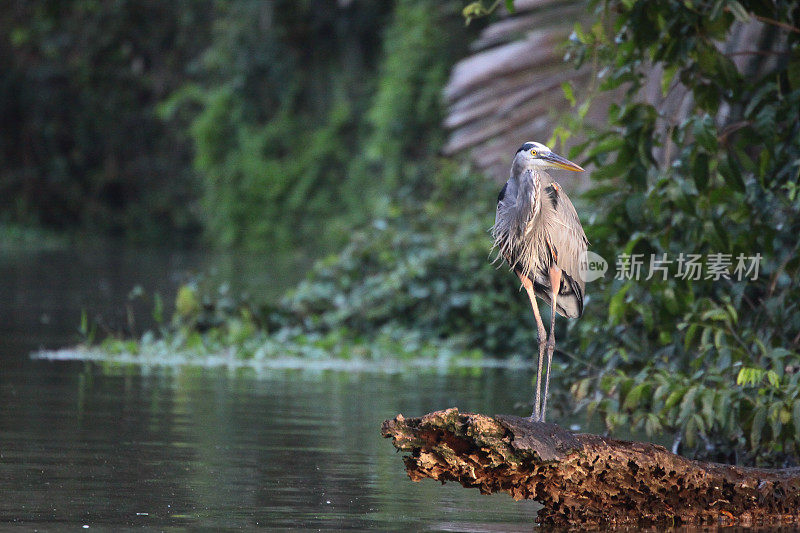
(538, 233)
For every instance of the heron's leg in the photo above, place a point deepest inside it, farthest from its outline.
(526, 282)
(555, 284)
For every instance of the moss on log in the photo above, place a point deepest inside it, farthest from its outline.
(584, 480)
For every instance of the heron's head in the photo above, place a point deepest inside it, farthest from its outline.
(538, 156)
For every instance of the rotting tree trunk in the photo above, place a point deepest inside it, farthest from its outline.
(588, 480)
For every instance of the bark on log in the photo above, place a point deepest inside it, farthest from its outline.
(588, 480)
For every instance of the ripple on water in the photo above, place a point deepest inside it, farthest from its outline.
(93, 444)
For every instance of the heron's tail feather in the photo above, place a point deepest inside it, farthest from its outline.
(570, 300)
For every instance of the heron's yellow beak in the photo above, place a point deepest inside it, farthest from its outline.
(557, 161)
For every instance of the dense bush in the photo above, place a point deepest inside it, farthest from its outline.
(269, 125)
(306, 120)
(715, 361)
(80, 146)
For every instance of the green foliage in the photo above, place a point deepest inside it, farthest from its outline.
(266, 123)
(14, 237)
(298, 137)
(87, 331)
(187, 303)
(422, 42)
(712, 360)
(269, 184)
(271, 149)
(423, 273)
(415, 285)
(476, 10)
(80, 145)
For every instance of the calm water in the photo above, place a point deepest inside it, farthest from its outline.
(107, 446)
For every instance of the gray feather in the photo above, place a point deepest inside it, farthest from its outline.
(527, 215)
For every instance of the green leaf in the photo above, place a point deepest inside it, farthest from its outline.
(473, 11)
(582, 389)
(708, 407)
(739, 12)
(674, 397)
(722, 405)
(690, 431)
(716, 314)
(652, 424)
(765, 120)
(691, 333)
(616, 308)
(566, 87)
(706, 133)
(727, 71)
(609, 144)
(766, 91)
(687, 404)
(793, 72)
(158, 309)
(731, 173)
(774, 418)
(707, 96)
(700, 171)
(699, 423)
(84, 327)
(773, 378)
(778, 356)
(634, 397)
(749, 376)
(667, 77)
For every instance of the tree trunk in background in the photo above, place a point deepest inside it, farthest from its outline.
(508, 90)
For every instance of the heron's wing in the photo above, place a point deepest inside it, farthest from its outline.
(502, 193)
(569, 241)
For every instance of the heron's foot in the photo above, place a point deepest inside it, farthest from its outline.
(534, 416)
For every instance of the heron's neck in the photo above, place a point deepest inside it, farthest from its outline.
(529, 188)
(530, 180)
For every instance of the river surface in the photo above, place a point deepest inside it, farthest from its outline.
(102, 446)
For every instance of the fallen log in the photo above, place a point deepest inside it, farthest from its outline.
(588, 480)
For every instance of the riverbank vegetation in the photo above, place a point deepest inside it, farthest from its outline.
(259, 125)
(713, 360)
(342, 154)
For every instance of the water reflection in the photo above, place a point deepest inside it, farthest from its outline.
(82, 444)
(43, 292)
(109, 445)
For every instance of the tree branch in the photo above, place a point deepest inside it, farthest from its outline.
(585, 480)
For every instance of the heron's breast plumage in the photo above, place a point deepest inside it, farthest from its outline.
(517, 232)
(537, 227)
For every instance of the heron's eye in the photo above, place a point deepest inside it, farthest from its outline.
(533, 153)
